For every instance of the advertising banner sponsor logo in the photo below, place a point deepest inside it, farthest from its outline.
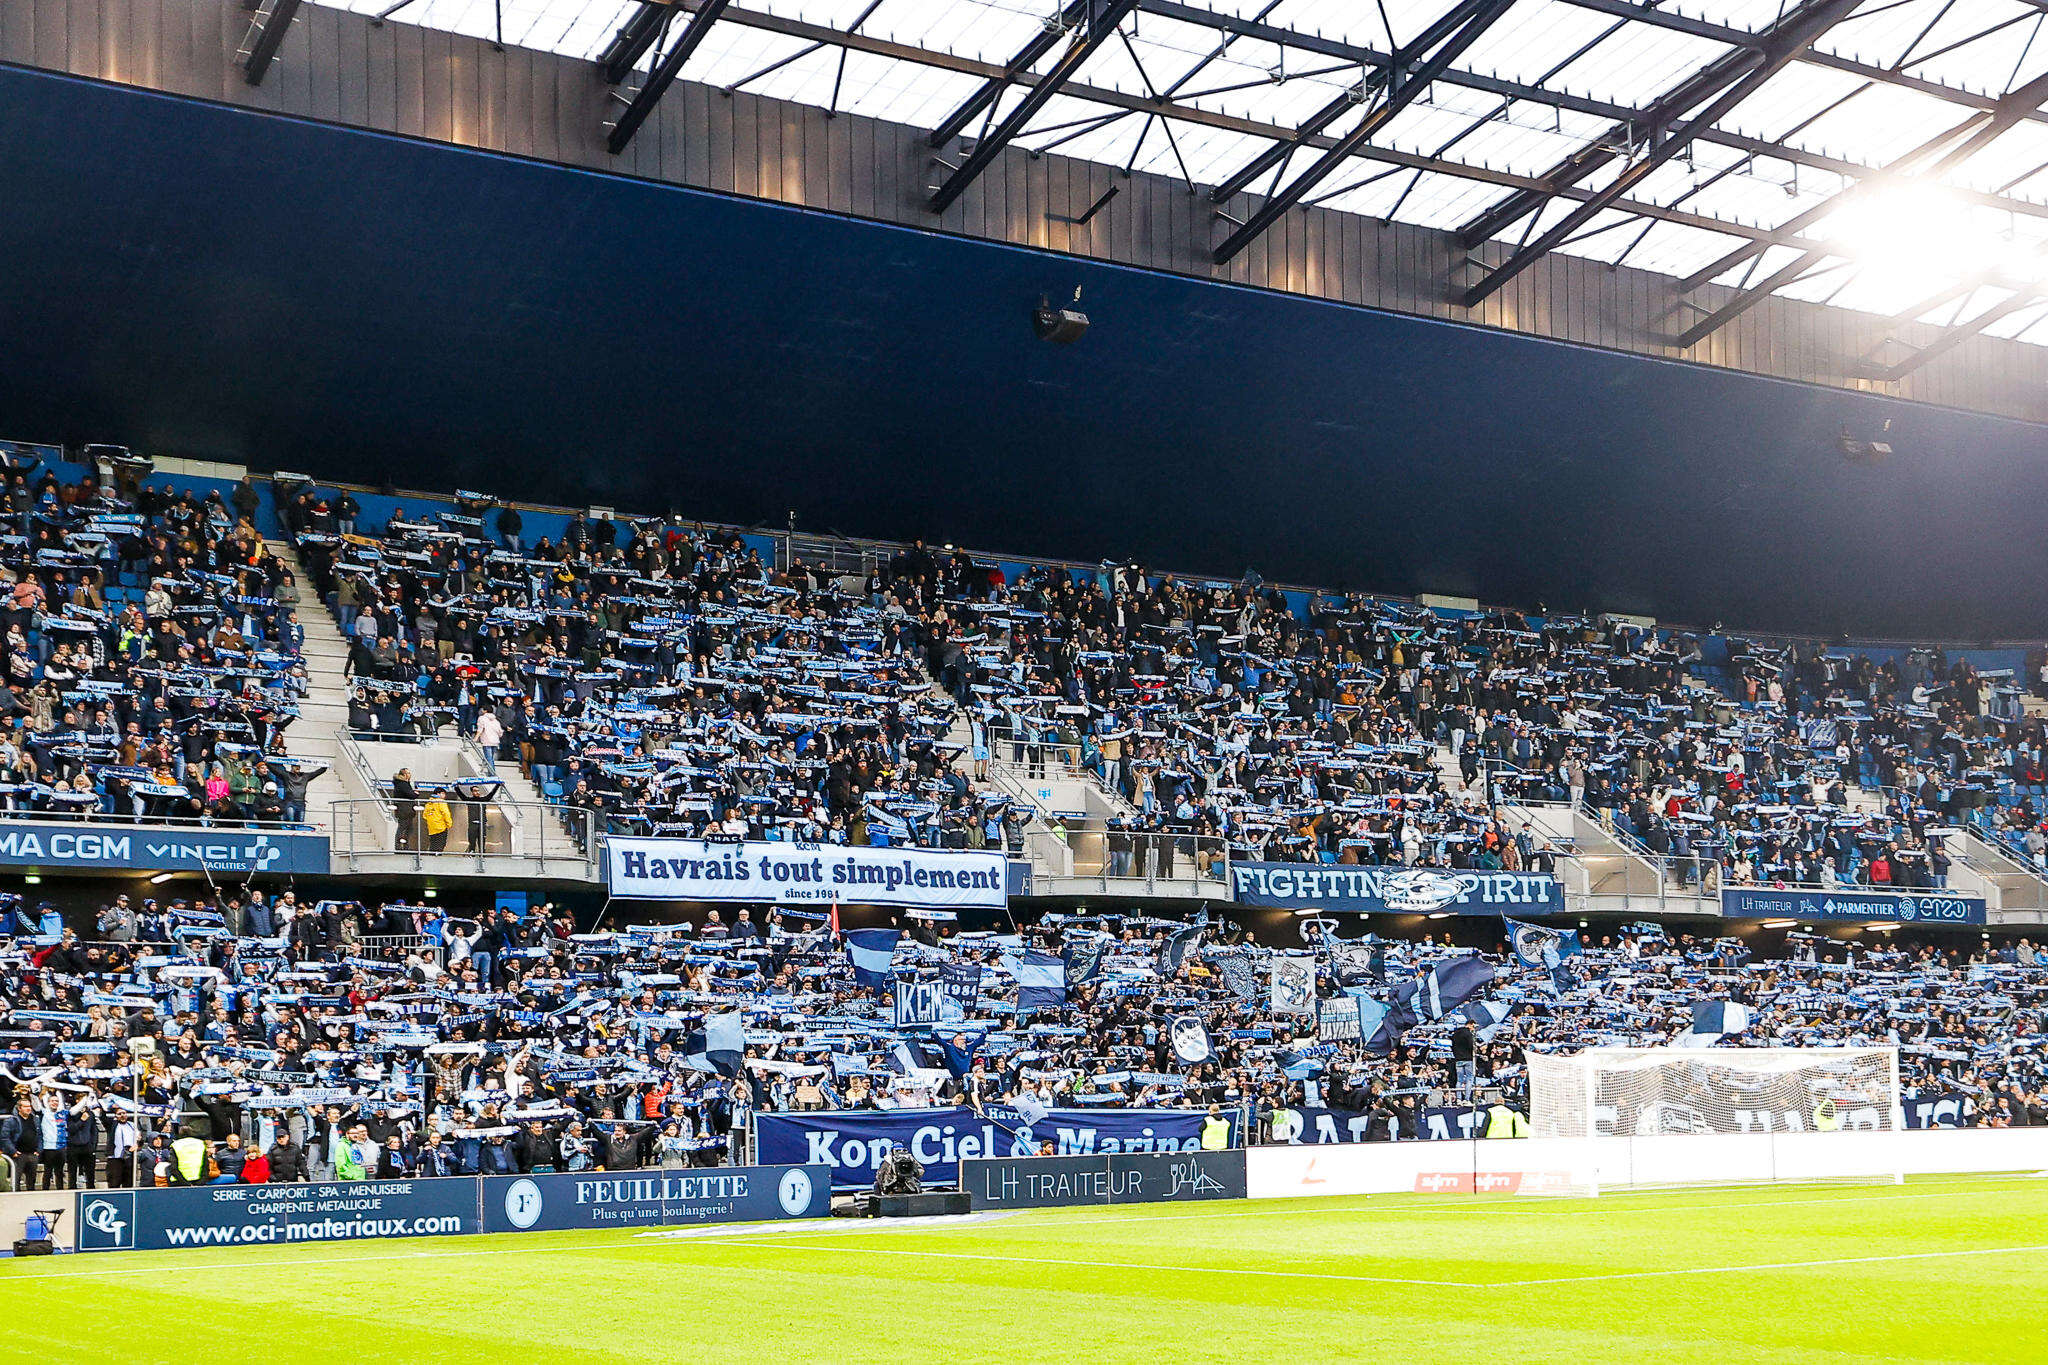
(655, 1198)
(802, 874)
(273, 1215)
(1493, 1182)
(1043, 1182)
(69, 844)
(854, 1143)
(1399, 890)
(1913, 907)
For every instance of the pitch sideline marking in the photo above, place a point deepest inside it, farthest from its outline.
(1120, 1265)
(1774, 1265)
(1523, 1210)
(1391, 1279)
(830, 1228)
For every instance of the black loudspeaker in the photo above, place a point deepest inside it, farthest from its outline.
(1060, 326)
(931, 1205)
(38, 1246)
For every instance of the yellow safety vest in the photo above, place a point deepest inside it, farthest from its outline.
(1503, 1122)
(1215, 1134)
(189, 1154)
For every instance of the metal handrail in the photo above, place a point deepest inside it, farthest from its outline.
(482, 837)
(100, 817)
(1042, 758)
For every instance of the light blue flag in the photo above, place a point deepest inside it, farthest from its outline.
(871, 951)
(1041, 982)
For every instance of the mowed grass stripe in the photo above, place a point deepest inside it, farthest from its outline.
(1831, 1277)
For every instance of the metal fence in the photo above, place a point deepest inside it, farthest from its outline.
(397, 947)
(481, 837)
(1132, 862)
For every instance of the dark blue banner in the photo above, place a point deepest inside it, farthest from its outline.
(1396, 890)
(854, 1142)
(274, 1215)
(1049, 1182)
(1891, 907)
(1323, 1126)
(655, 1198)
(75, 844)
(1938, 1109)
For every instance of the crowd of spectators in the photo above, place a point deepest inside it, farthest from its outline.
(670, 680)
(1357, 730)
(151, 654)
(330, 1041)
(673, 681)
(660, 676)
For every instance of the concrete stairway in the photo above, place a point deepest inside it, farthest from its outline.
(323, 711)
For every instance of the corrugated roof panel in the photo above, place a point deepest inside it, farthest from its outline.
(1981, 45)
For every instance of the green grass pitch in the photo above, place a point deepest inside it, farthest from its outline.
(1945, 1268)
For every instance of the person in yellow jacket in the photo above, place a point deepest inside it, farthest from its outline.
(437, 820)
(189, 1159)
(1503, 1122)
(1215, 1131)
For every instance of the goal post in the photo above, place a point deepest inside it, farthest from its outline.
(1800, 1113)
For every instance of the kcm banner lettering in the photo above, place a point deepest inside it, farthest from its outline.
(853, 1143)
(655, 1198)
(273, 1215)
(1914, 907)
(1046, 1182)
(802, 874)
(62, 844)
(1400, 890)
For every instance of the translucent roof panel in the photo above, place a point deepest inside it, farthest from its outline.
(1896, 163)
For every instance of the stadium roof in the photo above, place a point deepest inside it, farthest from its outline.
(1884, 155)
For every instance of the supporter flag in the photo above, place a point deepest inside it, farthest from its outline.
(961, 981)
(1448, 985)
(717, 1045)
(1352, 963)
(1440, 990)
(1719, 1018)
(1029, 1108)
(1179, 947)
(1337, 1019)
(1190, 1040)
(1396, 1017)
(1240, 975)
(1041, 982)
(1486, 1017)
(1371, 1014)
(917, 1003)
(871, 951)
(1294, 986)
(1539, 947)
(911, 1056)
(1084, 959)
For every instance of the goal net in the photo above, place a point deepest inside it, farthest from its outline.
(1610, 1118)
(1663, 1092)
